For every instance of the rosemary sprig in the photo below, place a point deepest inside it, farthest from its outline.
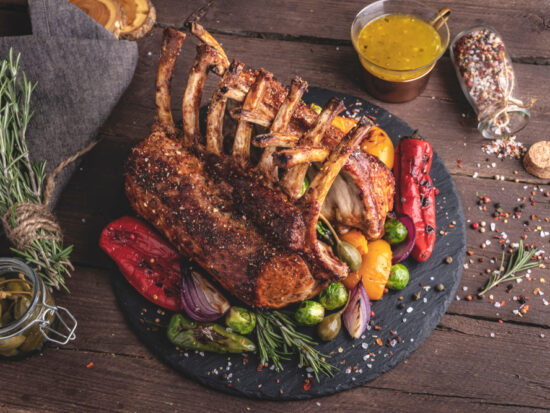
(519, 261)
(278, 340)
(22, 180)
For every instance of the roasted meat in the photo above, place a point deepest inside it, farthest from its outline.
(245, 221)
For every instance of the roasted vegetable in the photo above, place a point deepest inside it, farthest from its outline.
(415, 194)
(399, 277)
(357, 239)
(145, 259)
(402, 250)
(375, 269)
(344, 250)
(395, 231)
(379, 144)
(357, 314)
(200, 299)
(331, 325)
(190, 335)
(309, 313)
(240, 320)
(334, 296)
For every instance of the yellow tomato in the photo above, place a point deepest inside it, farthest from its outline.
(357, 239)
(379, 144)
(344, 124)
(375, 268)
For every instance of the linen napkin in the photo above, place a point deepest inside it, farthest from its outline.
(81, 70)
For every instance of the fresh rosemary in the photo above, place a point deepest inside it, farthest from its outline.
(278, 340)
(519, 261)
(22, 180)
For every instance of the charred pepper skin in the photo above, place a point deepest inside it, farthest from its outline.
(145, 259)
(191, 335)
(415, 194)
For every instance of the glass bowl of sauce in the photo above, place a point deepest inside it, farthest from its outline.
(398, 43)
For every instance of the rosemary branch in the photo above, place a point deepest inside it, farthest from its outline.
(22, 180)
(519, 261)
(278, 340)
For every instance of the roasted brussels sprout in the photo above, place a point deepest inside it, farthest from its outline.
(395, 231)
(334, 296)
(399, 277)
(240, 320)
(309, 313)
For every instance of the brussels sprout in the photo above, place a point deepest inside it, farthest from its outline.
(240, 320)
(395, 231)
(330, 326)
(309, 313)
(334, 296)
(399, 277)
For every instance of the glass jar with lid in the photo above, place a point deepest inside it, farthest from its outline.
(486, 76)
(38, 320)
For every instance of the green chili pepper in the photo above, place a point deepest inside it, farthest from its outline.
(191, 335)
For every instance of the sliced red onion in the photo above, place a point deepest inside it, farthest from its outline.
(357, 314)
(402, 250)
(200, 299)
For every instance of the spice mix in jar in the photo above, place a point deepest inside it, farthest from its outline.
(485, 73)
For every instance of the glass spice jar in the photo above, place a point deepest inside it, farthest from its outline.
(35, 325)
(486, 76)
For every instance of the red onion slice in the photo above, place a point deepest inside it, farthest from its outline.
(402, 250)
(357, 314)
(200, 299)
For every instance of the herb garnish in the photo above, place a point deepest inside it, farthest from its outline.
(22, 182)
(519, 261)
(278, 340)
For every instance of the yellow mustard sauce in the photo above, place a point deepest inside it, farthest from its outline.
(398, 42)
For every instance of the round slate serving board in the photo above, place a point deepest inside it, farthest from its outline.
(238, 375)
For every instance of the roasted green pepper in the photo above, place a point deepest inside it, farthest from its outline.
(190, 335)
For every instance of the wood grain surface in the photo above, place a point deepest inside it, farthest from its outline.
(479, 358)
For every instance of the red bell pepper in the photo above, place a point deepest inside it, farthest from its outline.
(145, 259)
(415, 195)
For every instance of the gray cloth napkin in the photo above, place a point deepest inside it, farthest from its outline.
(81, 70)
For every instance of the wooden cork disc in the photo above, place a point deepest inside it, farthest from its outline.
(537, 159)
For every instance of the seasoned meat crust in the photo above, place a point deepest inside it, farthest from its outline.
(190, 199)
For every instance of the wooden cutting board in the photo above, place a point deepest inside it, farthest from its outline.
(358, 360)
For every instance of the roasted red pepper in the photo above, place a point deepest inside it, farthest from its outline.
(415, 195)
(145, 259)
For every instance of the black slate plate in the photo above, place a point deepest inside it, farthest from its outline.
(239, 376)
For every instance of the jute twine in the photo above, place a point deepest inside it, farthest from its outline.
(26, 222)
(501, 108)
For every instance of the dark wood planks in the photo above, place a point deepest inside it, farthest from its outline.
(329, 21)
(459, 368)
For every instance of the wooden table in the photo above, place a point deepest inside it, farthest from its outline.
(480, 357)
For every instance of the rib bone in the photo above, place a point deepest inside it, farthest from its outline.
(241, 144)
(171, 45)
(315, 195)
(279, 125)
(292, 181)
(207, 58)
(216, 109)
(290, 158)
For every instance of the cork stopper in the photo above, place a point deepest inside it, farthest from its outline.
(537, 159)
